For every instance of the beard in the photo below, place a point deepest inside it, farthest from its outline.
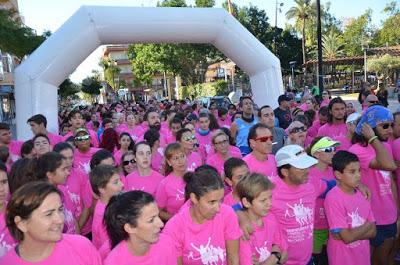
(156, 126)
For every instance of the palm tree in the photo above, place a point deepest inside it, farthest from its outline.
(331, 45)
(301, 12)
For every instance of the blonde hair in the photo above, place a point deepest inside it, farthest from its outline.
(218, 133)
(251, 185)
(169, 151)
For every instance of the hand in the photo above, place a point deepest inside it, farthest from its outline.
(365, 191)
(336, 236)
(367, 131)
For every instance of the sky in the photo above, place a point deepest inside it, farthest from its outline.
(44, 15)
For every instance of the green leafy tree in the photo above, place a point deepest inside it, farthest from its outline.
(205, 3)
(91, 85)
(111, 73)
(15, 37)
(389, 34)
(384, 66)
(301, 12)
(68, 88)
(172, 3)
(356, 33)
(332, 46)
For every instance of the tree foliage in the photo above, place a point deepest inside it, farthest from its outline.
(205, 3)
(389, 34)
(384, 65)
(332, 45)
(204, 90)
(15, 37)
(91, 85)
(356, 33)
(68, 88)
(111, 73)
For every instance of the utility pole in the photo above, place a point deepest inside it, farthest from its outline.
(319, 39)
(276, 22)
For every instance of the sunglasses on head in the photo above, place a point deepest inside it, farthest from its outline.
(190, 138)
(328, 149)
(265, 139)
(373, 102)
(82, 138)
(387, 125)
(298, 129)
(126, 162)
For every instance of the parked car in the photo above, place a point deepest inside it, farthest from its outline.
(221, 101)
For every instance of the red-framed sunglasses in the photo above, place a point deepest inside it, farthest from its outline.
(265, 138)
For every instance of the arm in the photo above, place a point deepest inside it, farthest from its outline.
(362, 232)
(164, 215)
(234, 130)
(245, 225)
(179, 261)
(232, 251)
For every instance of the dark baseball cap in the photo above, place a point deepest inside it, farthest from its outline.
(283, 98)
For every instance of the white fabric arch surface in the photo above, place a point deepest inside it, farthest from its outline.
(38, 77)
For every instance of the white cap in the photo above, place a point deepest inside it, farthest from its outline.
(294, 155)
(353, 117)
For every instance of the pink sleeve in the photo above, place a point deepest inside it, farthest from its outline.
(245, 253)
(363, 155)
(319, 185)
(161, 195)
(174, 231)
(396, 149)
(231, 230)
(335, 213)
(278, 238)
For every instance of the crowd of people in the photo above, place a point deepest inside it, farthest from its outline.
(174, 182)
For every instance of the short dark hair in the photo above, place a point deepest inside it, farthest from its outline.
(151, 136)
(99, 156)
(263, 107)
(324, 111)
(146, 114)
(341, 159)
(26, 148)
(136, 146)
(38, 119)
(106, 121)
(61, 146)
(73, 112)
(253, 131)
(4, 154)
(24, 201)
(180, 133)
(124, 208)
(22, 171)
(243, 98)
(48, 162)
(231, 164)
(201, 182)
(4, 126)
(40, 135)
(222, 111)
(100, 175)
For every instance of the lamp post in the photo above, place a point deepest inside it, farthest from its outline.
(319, 40)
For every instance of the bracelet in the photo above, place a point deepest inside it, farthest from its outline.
(372, 139)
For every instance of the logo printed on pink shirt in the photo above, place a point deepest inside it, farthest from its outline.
(263, 252)
(209, 255)
(85, 167)
(180, 195)
(386, 175)
(302, 214)
(4, 247)
(356, 219)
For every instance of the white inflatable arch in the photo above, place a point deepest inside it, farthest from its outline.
(38, 77)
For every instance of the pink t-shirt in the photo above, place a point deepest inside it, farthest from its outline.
(54, 138)
(345, 211)
(194, 160)
(334, 131)
(136, 133)
(396, 157)
(345, 143)
(82, 160)
(293, 207)
(313, 130)
(261, 241)
(69, 211)
(144, 183)
(71, 249)
(205, 144)
(157, 160)
(267, 167)
(14, 148)
(99, 232)
(225, 123)
(205, 243)
(94, 140)
(117, 157)
(159, 253)
(230, 200)
(75, 184)
(7, 242)
(379, 182)
(170, 194)
(316, 175)
(217, 161)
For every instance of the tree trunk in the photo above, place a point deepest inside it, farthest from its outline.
(303, 41)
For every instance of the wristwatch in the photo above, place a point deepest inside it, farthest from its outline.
(277, 255)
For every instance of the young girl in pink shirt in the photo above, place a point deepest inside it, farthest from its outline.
(266, 244)
(188, 141)
(144, 177)
(206, 231)
(128, 163)
(35, 218)
(349, 214)
(7, 242)
(53, 168)
(157, 153)
(105, 182)
(170, 193)
(41, 144)
(126, 144)
(133, 225)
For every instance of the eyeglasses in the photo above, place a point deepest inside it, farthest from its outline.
(265, 139)
(298, 129)
(221, 142)
(387, 125)
(82, 138)
(127, 162)
(190, 138)
(373, 102)
(178, 157)
(330, 149)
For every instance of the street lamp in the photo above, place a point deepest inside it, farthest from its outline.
(292, 65)
(278, 6)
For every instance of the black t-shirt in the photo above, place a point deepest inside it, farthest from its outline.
(284, 117)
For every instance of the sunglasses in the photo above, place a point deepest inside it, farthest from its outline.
(190, 138)
(298, 129)
(387, 125)
(82, 138)
(328, 149)
(265, 139)
(127, 162)
(373, 102)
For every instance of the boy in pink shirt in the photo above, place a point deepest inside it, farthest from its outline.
(38, 125)
(350, 218)
(234, 168)
(14, 147)
(261, 160)
(265, 244)
(105, 182)
(75, 118)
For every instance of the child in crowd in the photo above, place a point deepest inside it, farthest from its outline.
(105, 182)
(349, 214)
(265, 246)
(234, 169)
(6, 241)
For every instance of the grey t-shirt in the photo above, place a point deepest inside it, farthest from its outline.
(279, 138)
